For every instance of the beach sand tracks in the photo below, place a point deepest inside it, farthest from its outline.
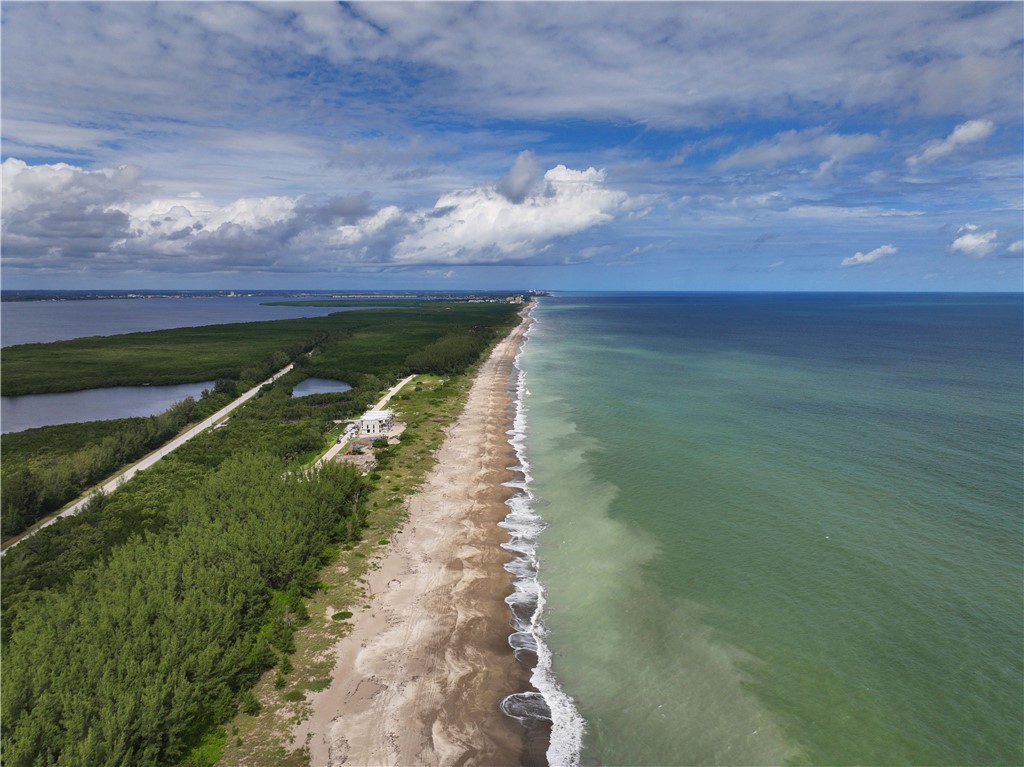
(435, 639)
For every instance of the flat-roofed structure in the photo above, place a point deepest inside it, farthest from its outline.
(376, 422)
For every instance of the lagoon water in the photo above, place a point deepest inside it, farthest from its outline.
(32, 410)
(44, 321)
(314, 385)
(782, 529)
(29, 322)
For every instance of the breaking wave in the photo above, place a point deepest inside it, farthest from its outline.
(526, 602)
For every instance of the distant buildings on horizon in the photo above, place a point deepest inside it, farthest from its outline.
(91, 295)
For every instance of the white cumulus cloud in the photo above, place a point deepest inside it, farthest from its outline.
(108, 219)
(969, 132)
(482, 225)
(973, 242)
(866, 258)
(70, 217)
(26, 186)
(57, 210)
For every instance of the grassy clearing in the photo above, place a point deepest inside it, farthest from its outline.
(208, 751)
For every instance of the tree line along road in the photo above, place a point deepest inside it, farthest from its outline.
(123, 476)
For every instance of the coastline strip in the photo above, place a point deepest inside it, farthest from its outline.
(549, 703)
(421, 677)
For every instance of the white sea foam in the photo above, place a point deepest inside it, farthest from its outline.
(527, 604)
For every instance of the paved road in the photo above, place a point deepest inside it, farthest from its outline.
(392, 392)
(112, 484)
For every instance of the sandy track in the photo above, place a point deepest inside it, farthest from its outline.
(419, 679)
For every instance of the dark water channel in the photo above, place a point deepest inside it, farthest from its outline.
(32, 410)
(44, 321)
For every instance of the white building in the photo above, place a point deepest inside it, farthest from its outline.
(376, 422)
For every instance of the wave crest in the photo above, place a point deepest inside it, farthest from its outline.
(526, 602)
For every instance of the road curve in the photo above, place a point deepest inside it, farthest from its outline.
(144, 463)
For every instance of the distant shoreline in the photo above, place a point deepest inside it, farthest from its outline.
(301, 296)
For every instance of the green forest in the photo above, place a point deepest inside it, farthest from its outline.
(131, 631)
(44, 469)
(245, 352)
(140, 653)
(48, 467)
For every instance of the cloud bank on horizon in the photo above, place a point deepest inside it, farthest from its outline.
(564, 145)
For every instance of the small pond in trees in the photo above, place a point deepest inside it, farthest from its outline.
(319, 386)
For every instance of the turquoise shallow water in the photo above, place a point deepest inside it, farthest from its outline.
(782, 529)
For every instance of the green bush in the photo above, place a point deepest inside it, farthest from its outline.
(248, 703)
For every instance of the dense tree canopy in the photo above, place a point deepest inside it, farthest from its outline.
(33, 489)
(140, 653)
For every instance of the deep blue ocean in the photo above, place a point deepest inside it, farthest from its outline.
(780, 529)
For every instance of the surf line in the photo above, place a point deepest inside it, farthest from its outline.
(526, 602)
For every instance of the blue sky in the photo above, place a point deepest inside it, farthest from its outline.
(575, 145)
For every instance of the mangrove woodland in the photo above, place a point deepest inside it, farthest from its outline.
(134, 631)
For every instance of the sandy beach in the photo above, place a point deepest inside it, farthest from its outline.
(419, 679)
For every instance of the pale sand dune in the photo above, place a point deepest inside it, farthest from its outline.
(419, 679)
